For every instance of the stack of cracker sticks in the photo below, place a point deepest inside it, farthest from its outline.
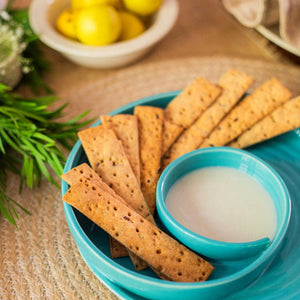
(127, 153)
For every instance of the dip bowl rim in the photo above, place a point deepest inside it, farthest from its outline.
(208, 247)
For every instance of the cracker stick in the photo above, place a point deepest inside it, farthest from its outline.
(283, 119)
(170, 133)
(84, 173)
(108, 158)
(150, 126)
(234, 84)
(126, 130)
(118, 250)
(254, 107)
(163, 253)
(184, 109)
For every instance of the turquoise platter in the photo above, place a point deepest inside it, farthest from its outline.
(273, 277)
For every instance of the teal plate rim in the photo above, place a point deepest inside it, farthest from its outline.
(284, 150)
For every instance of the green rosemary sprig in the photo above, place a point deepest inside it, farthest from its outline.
(29, 138)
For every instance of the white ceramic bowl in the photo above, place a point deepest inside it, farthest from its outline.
(43, 15)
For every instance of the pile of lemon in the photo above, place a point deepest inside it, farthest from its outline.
(103, 22)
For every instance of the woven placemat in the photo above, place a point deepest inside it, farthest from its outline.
(40, 260)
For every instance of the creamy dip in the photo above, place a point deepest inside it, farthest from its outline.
(224, 204)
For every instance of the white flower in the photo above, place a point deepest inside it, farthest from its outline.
(13, 41)
(26, 69)
(4, 14)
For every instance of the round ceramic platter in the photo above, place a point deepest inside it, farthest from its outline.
(281, 279)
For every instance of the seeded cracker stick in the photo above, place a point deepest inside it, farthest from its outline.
(234, 84)
(150, 126)
(126, 130)
(160, 251)
(108, 158)
(253, 108)
(184, 109)
(283, 119)
(84, 173)
(170, 133)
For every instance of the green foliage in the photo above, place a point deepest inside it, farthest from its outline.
(29, 130)
(29, 138)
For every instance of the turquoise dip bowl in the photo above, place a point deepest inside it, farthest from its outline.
(223, 157)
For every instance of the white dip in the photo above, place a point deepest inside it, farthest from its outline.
(224, 204)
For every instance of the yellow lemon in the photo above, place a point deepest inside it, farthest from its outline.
(65, 23)
(132, 26)
(143, 7)
(98, 25)
(88, 3)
